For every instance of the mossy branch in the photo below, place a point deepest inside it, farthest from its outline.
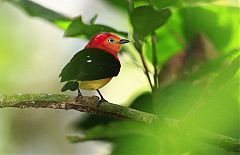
(90, 105)
(84, 104)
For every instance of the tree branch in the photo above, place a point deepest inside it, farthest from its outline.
(89, 104)
(228, 143)
(84, 104)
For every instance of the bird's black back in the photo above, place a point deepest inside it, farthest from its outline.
(90, 64)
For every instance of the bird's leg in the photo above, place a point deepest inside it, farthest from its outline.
(102, 99)
(79, 94)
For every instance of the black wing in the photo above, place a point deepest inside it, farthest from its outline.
(90, 64)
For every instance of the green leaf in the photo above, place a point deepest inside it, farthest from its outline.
(227, 74)
(177, 93)
(212, 66)
(168, 42)
(146, 20)
(121, 4)
(131, 137)
(36, 10)
(136, 145)
(221, 28)
(128, 137)
(220, 109)
(164, 3)
(144, 102)
(111, 131)
(75, 139)
(176, 99)
(93, 20)
(234, 3)
(91, 121)
(216, 86)
(79, 28)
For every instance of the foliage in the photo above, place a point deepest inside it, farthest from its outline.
(78, 28)
(146, 20)
(204, 87)
(218, 18)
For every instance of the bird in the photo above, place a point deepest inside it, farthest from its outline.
(94, 66)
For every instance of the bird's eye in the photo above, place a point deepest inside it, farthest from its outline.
(111, 40)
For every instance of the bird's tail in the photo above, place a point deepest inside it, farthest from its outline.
(70, 85)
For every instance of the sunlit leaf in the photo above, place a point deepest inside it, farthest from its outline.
(164, 3)
(146, 20)
(123, 4)
(229, 3)
(79, 28)
(36, 10)
(227, 74)
(175, 96)
(219, 111)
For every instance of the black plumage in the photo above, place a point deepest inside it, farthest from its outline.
(90, 64)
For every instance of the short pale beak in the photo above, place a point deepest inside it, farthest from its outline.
(123, 41)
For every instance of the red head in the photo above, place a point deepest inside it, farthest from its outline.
(107, 42)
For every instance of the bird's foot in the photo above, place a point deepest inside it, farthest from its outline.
(101, 101)
(78, 97)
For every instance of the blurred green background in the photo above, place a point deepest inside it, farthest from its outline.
(197, 50)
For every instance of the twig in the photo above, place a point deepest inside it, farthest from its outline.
(138, 46)
(146, 70)
(154, 59)
(89, 105)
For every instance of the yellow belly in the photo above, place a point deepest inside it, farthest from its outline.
(94, 84)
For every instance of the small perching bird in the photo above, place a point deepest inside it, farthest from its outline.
(95, 65)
